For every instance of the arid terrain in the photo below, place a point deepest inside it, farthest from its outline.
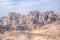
(33, 26)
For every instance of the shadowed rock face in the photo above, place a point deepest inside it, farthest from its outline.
(34, 20)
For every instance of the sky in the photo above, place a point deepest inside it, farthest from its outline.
(24, 6)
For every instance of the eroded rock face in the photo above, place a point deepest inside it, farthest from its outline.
(52, 17)
(48, 17)
(11, 18)
(33, 20)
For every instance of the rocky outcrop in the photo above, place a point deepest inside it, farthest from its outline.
(33, 20)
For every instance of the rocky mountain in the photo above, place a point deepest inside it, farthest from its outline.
(33, 20)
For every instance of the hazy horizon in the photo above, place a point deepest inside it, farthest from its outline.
(23, 6)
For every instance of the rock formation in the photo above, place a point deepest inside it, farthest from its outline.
(33, 20)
